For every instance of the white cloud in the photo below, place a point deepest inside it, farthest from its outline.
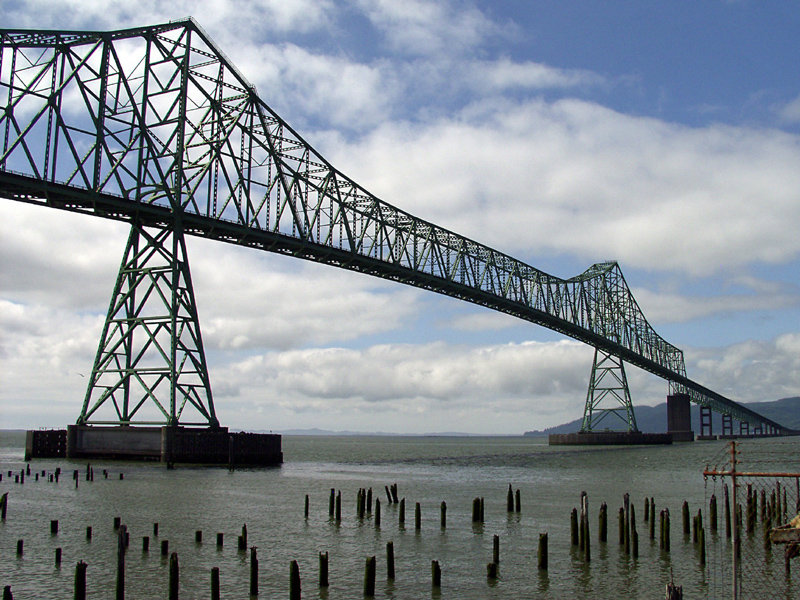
(672, 307)
(504, 74)
(751, 371)
(574, 177)
(790, 112)
(417, 27)
(330, 89)
(236, 17)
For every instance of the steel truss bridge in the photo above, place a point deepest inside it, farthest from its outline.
(154, 126)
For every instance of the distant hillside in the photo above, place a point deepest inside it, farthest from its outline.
(653, 419)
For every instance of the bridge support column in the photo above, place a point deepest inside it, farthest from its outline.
(758, 430)
(706, 424)
(608, 393)
(744, 429)
(150, 363)
(679, 418)
(727, 426)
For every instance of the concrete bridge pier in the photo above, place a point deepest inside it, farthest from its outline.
(706, 424)
(679, 418)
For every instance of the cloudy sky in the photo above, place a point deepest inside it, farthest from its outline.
(663, 135)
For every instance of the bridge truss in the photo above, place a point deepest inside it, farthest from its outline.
(156, 127)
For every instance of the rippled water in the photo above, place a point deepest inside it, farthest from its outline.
(428, 470)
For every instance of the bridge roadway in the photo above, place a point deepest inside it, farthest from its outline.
(167, 133)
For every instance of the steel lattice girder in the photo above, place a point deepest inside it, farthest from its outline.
(156, 123)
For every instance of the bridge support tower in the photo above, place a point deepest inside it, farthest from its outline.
(679, 418)
(706, 424)
(149, 394)
(608, 394)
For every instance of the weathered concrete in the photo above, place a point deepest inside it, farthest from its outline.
(215, 446)
(679, 418)
(608, 438)
(46, 443)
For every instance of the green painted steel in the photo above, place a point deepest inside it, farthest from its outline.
(608, 395)
(150, 364)
(154, 124)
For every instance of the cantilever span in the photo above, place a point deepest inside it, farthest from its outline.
(155, 126)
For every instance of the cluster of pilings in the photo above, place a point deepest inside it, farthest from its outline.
(770, 507)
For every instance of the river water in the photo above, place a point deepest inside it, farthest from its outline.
(427, 470)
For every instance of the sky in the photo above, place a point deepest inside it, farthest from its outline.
(662, 135)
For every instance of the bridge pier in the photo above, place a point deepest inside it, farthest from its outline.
(706, 424)
(727, 426)
(679, 418)
(196, 445)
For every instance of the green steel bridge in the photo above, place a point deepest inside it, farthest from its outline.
(154, 126)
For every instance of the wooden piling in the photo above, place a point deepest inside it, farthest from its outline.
(305, 511)
(573, 527)
(215, 583)
(685, 513)
(510, 499)
(80, 581)
(89, 533)
(652, 518)
(443, 515)
(712, 512)
(701, 540)
(294, 581)
(394, 493)
(117, 522)
(417, 517)
(323, 569)
(339, 505)
(476, 510)
(496, 549)
(145, 544)
(20, 547)
(436, 574)
(253, 571)
(120, 587)
(390, 560)
(155, 529)
(377, 512)
(388, 494)
(401, 516)
(587, 544)
(174, 576)
(542, 554)
(54, 527)
(7, 595)
(58, 557)
(198, 537)
(621, 522)
(332, 502)
(164, 547)
(602, 528)
(3, 506)
(219, 539)
(491, 570)
(369, 577)
(369, 501)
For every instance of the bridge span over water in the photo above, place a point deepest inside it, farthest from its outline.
(156, 127)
